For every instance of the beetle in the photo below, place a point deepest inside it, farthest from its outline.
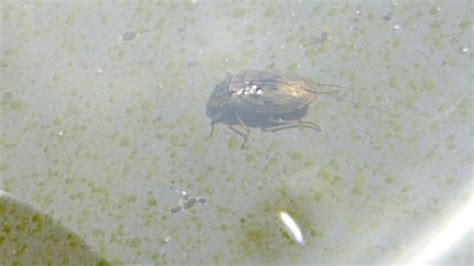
(270, 101)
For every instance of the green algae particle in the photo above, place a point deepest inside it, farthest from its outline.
(103, 19)
(3, 167)
(233, 142)
(151, 202)
(36, 218)
(318, 196)
(202, 178)
(135, 242)
(311, 52)
(98, 232)
(223, 227)
(434, 10)
(210, 168)
(99, 190)
(125, 142)
(324, 174)
(48, 199)
(112, 99)
(12, 105)
(451, 146)
(56, 77)
(284, 191)
(271, 164)
(157, 258)
(435, 24)
(450, 180)
(465, 24)
(12, 51)
(406, 188)
(7, 229)
(146, 105)
(393, 81)
(390, 179)
(129, 111)
(103, 262)
(131, 199)
(292, 67)
(315, 233)
(429, 85)
(358, 190)
(270, 12)
(359, 185)
(57, 121)
(352, 76)
(296, 156)
(251, 29)
(251, 158)
(334, 164)
(239, 12)
(255, 239)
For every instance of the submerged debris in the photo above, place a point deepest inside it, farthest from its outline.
(292, 227)
(186, 202)
(131, 35)
(176, 209)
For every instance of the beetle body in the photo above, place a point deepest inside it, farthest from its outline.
(266, 100)
(261, 92)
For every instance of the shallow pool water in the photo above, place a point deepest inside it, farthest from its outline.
(103, 126)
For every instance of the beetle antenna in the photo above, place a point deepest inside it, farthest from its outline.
(331, 92)
(329, 85)
(340, 97)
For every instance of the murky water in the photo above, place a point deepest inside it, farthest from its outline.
(104, 126)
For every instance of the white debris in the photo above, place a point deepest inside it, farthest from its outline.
(292, 227)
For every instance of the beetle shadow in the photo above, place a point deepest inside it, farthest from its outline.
(258, 120)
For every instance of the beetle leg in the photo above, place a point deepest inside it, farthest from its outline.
(214, 121)
(309, 124)
(247, 134)
(236, 131)
(212, 129)
(286, 124)
(230, 84)
(240, 133)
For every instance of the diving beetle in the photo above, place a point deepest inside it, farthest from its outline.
(270, 101)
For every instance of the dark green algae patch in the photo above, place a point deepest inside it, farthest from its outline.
(28, 237)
